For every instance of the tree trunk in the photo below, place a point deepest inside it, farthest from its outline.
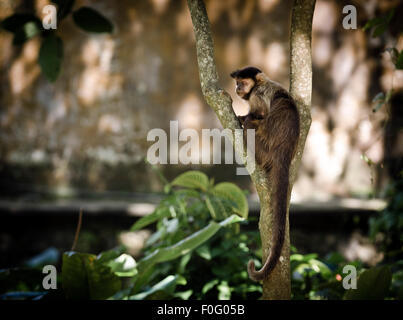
(278, 284)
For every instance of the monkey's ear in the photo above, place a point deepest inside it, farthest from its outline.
(234, 74)
(260, 77)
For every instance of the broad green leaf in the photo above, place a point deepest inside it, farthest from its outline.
(51, 56)
(106, 256)
(187, 193)
(74, 275)
(192, 179)
(372, 23)
(373, 284)
(91, 20)
(123, 266)
(379, 30)
(168, 285)
(158, 214)
(297, 257)
(183, 262)
(184, 295)
(210, 208)
(209, 285)
(220, 207)
(84, 277)
(184, 246)
(204, 252)
(233, 193)
(379, 24)
(319, 266)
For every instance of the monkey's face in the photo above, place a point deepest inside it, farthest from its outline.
(244, 87)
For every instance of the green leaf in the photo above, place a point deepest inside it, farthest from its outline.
(18, 20)
(379, 24)
(372, 23)
(106, 256)
(209, 285)
(204, 252)
(184, 295)
(210, 208)
(84, 277)
(158, 214)
(224, 291)
(123, 266)
(379, 30)
(51, 56)
(168, 285)
(184, 246)
(91, 20)
(192, 179)
(373, 284)
(233, 193)
(320, 267)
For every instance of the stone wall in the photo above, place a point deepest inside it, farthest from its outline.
(87, 131)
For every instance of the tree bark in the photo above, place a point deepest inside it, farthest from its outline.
(278, 284)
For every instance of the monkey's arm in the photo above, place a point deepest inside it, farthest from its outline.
(252, 121)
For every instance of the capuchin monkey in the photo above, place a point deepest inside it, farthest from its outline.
(274, 116)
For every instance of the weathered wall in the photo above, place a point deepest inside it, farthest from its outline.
(87, 132)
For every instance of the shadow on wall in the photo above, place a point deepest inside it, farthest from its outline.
(88, 130)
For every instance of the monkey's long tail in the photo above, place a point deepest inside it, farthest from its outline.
(279, 175)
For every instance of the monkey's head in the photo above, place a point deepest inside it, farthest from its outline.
(245, 81)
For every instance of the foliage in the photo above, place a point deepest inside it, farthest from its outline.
(195, 222)
(193, 206)
(323, 280)
(26, 26)
(387, 227)
(198, 252)
(378, 26)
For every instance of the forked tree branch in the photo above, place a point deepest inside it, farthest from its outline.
(216, 97)
(278, 285)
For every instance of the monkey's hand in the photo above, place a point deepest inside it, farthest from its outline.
(242, 119)
(252, 121)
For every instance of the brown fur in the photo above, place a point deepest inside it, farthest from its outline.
(274, 116)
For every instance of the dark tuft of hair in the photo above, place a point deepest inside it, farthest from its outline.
(246, 73)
